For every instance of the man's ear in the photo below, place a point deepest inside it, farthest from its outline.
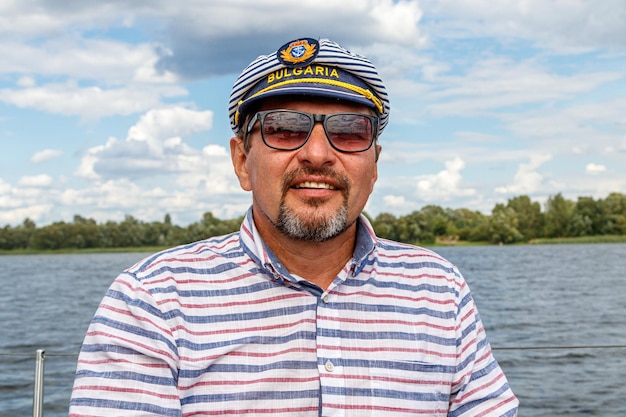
(379, 149)
(239, 157)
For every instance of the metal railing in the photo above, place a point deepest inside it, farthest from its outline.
(38, 388)
(40, 356)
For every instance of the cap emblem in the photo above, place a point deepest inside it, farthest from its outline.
(298, 53)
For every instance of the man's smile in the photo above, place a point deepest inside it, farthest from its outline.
(315, 185)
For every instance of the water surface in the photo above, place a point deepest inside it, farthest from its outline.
(548, 296)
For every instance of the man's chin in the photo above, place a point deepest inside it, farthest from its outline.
(312, 225)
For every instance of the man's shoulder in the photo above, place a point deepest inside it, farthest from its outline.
(392, 252)
(392, 246)
(214, 250)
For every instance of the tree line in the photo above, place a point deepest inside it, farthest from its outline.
(519, 220)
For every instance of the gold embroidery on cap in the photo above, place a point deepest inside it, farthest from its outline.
(284, 73)
(290, 55)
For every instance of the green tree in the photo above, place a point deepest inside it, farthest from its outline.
(587, 217)
(503, 225)
(52, 236)
(434, 221)
(23, 234)
(130, 233)
(470, 225)
(209, 226)
(85, 233)
(385, 226)
(614, 212)
(412, 228)
(529, 216)
(558, 216)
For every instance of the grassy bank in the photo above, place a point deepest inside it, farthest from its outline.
(581, 239)
(149, 249)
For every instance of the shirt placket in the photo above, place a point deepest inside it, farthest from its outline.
(329, 361)
(333, 383)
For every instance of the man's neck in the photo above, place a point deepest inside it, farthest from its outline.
(318, 263)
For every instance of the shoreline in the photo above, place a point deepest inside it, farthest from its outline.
(460, 243)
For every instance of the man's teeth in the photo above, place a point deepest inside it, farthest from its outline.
(311, 184)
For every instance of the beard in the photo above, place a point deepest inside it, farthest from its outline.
(311, 225)
(314, 229)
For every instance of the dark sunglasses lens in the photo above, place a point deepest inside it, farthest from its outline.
(350, 132)
(285, 129)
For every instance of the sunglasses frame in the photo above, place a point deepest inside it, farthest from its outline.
(315, 118)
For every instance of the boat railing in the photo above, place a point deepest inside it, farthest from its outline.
(38, 388)
(40, 356)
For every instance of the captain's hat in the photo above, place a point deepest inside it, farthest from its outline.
(309, 67)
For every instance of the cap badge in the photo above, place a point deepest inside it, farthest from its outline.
(298, 53)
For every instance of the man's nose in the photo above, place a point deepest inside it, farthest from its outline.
(317, 150)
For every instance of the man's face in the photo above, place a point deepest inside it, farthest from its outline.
(312, 193)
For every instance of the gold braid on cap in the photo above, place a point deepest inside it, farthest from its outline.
(363, 91)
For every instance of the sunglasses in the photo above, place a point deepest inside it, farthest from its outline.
(288, 130)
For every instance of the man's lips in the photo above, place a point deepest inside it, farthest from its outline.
(322, 181)
(315, 185)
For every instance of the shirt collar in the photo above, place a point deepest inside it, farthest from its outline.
(263, 256)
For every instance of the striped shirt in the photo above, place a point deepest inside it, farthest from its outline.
(220, 327)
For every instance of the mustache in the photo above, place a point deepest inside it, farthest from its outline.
(341, 180)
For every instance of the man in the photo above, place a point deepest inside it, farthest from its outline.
(304, 312)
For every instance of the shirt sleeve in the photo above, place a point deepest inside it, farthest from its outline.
(128, 361)
(479, 387)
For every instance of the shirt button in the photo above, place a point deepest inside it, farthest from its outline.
(326, 298)
(329, 366)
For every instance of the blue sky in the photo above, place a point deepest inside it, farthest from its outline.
(115, 108)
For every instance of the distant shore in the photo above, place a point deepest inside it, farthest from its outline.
(538, 241)
(439, 243)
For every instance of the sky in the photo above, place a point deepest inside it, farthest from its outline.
(119, 107)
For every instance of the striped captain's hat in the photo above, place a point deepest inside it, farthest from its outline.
(311, 68)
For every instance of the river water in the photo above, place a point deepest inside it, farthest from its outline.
(545, 307)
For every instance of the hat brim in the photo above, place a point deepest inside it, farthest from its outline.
(309, 90)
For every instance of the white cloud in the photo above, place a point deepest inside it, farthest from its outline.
(574, 126)
(393, 20)
(158, 125)
(394, 200)
(153, 146)
(26, 82)
(445, 184)
(564, 26)
(133, 174)
(397, 19)
(527, 180)
(29, 199)
(42, 180)
(93, 78)
(45, 155)
(18, 215)
(594, 169)
(4, 187)
(88, 102)
(444, 63)
(113, 199)
(106, 61)
(188, 45)
(497, 84)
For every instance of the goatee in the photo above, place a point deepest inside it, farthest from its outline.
(313, 226)
(315, 229)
